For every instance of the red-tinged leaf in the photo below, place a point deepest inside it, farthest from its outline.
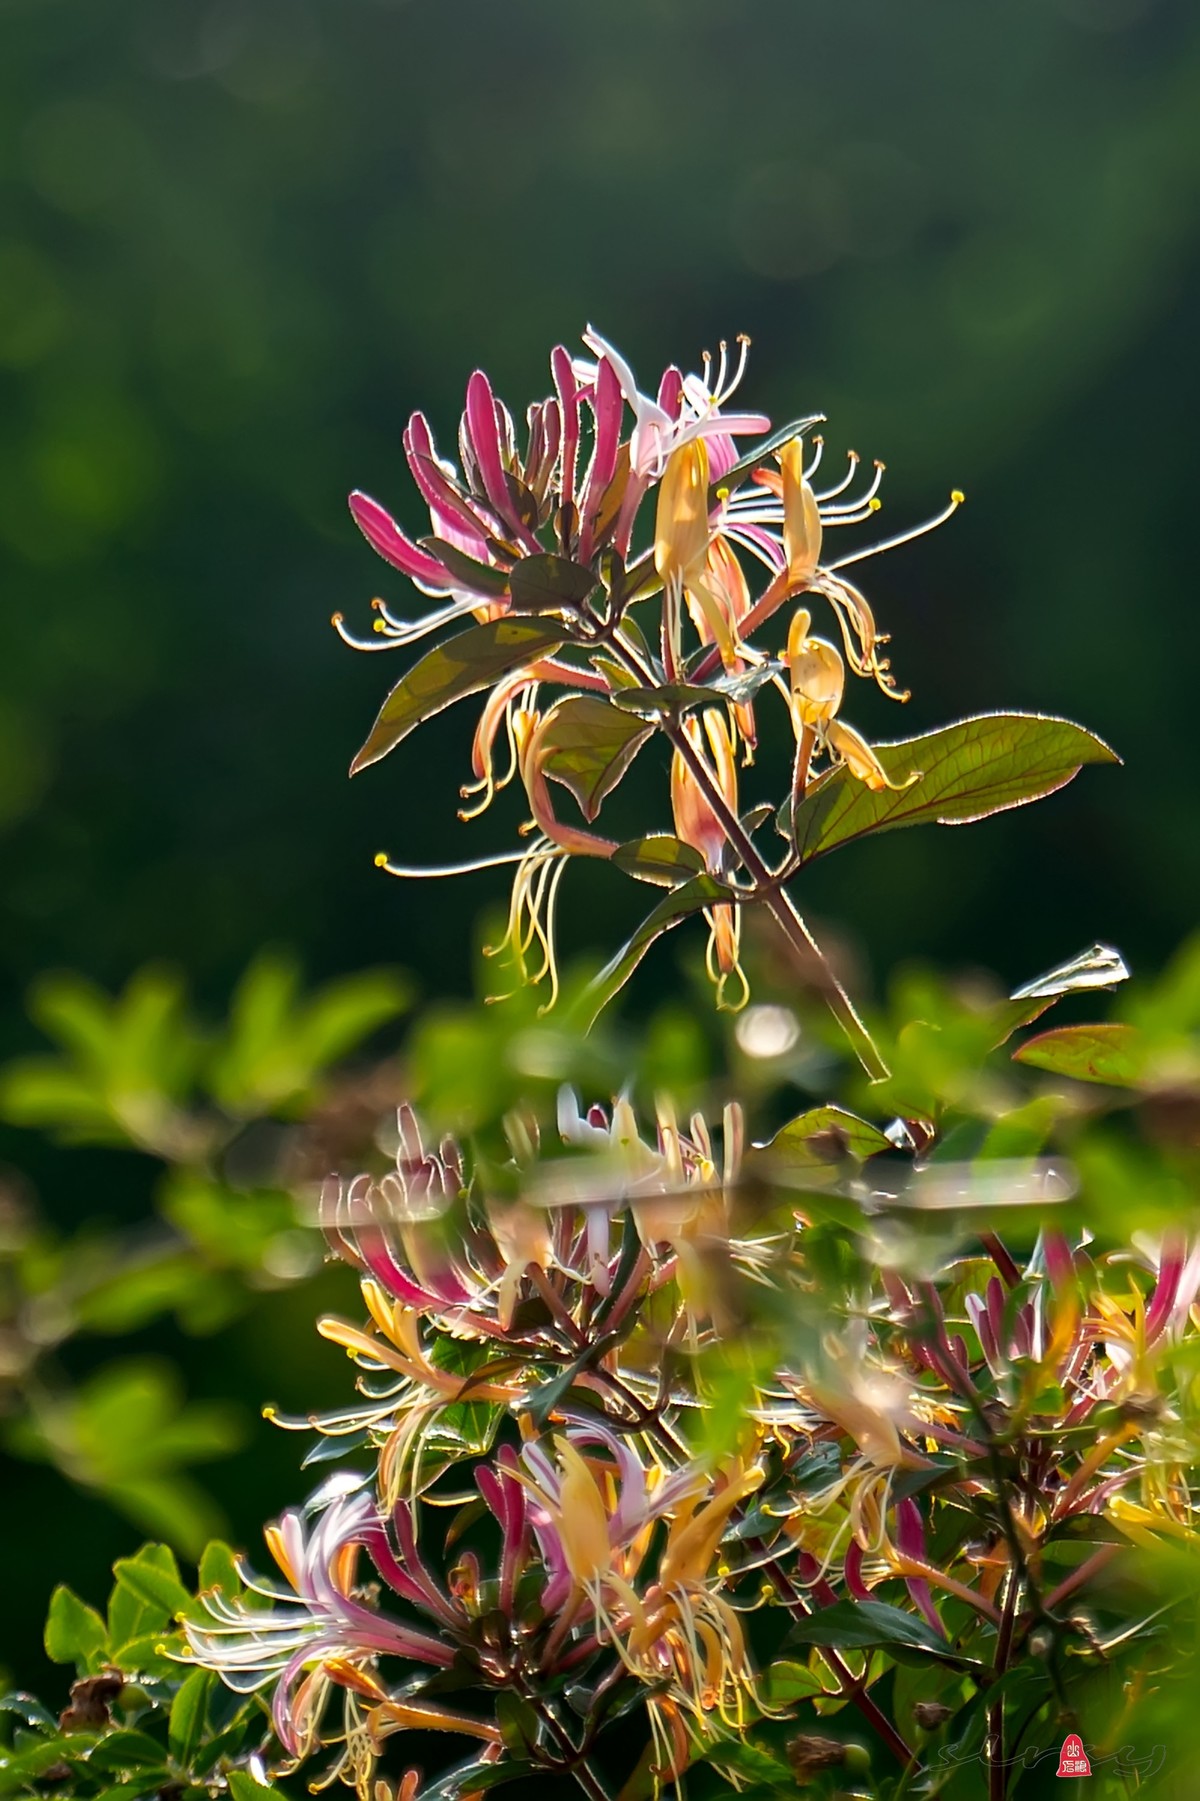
(473, 660)
(969, 770)
(1113, 1054)
(587, 745)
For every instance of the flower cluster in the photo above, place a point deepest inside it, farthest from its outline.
(543, 553)
(553, 1536)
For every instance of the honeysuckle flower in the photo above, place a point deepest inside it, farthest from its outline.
(318, 1634)
(782, 520)
(818, 679)
(688, 407)
(697, 823)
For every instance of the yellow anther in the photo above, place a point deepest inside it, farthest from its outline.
(957, 496)
(377, 625)
(381, 858)
(722, 493)
(874, 503)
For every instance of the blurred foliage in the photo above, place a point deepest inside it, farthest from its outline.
(243, 238)
(213, 1109)
(974, 1141)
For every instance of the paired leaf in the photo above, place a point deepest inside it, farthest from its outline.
(659, 858)
(544, 584)
(702, 891)
(867, 1625)
(587, 745)
(185, 1726)
(473, 660)
(1105, 1053)
(969, 770)
(477, 577)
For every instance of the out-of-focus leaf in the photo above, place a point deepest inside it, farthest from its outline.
(21, 1768)
(587, 745)
(473, 660)
(822, 1135)
(29, 1710)
(661, 859)
(1110, 1053)
(278, 1040)
(702, 891)
(75, 1633)
(466, 1779)
(243, 1787)
(185, 1727)
(969, 770)
(544, 584)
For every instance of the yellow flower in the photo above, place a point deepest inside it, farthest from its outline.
(818, 680)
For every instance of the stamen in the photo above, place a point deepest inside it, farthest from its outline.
(853, 458)
(382, 861)
(917, 531)
(818, 445)
(863, 499)
(338, 622)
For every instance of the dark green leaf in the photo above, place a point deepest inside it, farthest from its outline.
(185, 1728)
(328, 1450)
(969, 770)
(518, 1723)
(29, 1709)
(466, 1779)
(798, 428)
(75, 1633)
(702, 891)
(864, 1625)
(480, 578)
(1103, 1053)
(587, 745)
(473, 660)
(18, 1769)
(128, 1749)
(660, 859)
(543, 584)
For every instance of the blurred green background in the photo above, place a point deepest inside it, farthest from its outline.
(241, 240)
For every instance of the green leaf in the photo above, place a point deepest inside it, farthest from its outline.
(480, 578)
(518, 1723)
(473, 660)
(18, 1770)
(587, 745)
(148, 1593)
(865, 1625)
(543, 584)
(658, 858)
(702, 891)
(969, 770)
(1113, 1054)
(798, 428)
(185, 1727)
(29, 1710)
(75, 1633)
(243, 1787)
(129, 1749)
(822, 1135)
(218, 1568)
